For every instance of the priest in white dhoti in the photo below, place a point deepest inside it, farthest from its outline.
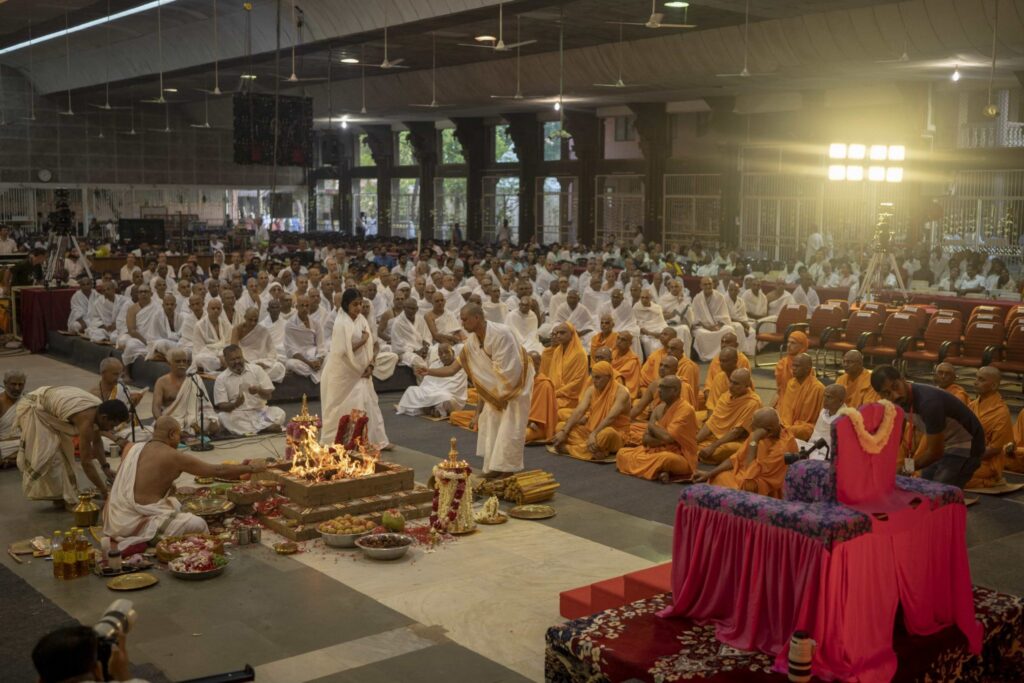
(141, 509)
(49, 418)
(576, 314)
(240, 394)
(177, 395)
(257, 345)
(523, 322)
(502, 373)
(711, 321)
(410, 336)
(148, 332)
(304, 343)
(651, 321)
(232, 312)
(101, 321)
(444, 326)
(675, 305)
(189, 317)
(78, 319)
(804, 293)
(754, 299)
(594, 298)
(212, 333)
(347, 380)
(10, 435)
(436, 396)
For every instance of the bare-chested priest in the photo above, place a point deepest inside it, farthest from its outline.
(142, 508)
(10, 436)
(175, 395)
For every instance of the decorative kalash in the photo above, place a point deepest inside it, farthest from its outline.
(323, 482)
(453, 496)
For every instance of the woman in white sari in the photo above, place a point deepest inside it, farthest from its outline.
(347, 380)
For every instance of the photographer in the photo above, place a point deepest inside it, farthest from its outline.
(71, 655)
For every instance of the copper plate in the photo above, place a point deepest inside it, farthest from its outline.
(286, 548)
(208, 507)
(532, 512)
(131, 582)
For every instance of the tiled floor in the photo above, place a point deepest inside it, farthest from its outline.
(475, 610)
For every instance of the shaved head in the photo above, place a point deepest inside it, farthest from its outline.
(988, 380)
(603, 354)
(729, 340)
(835, 395)
(802, 366)
(767, 419)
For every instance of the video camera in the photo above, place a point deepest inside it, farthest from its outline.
(118, 618)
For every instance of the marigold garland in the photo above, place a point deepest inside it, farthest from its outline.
(872, 443)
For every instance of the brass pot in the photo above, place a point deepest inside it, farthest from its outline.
(86, 513)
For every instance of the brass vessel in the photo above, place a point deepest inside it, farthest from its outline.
(86, 513)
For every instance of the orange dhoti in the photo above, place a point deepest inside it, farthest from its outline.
(994, 416)
(767, 472)
(800, 406)
(1015, 461)
(461, 418)
(543, 419)
(730, 412)
(678, 459)
(609, 440)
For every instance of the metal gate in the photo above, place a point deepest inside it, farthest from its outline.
(619, 204)
(557, 209)
(450, 206)
(693, 210)
(500, 203)
(777, 212)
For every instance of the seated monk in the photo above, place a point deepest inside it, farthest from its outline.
(795, 345)
(803, 399)
(175, 395)
(140, 509)
(759, 465)
(834, 399)
(596, 428)
(729, 423)
(436, 396)
(111, 387)
(729, 340)
(605, 336)
(543, 420)
(686, 369)
(994, 416)
(649, 370)
(1015, 451)
(640, 413)
(856, 380)
(565, 363)
(728, 361)
(669, 447)
(257, 344)
(625, 362)
(10, 435)
(945, 378)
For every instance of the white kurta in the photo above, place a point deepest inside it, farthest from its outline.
(649, 318)
(208, 342)
(10, 435)
(525, 329)
(307, 342)
(708, 311)
(807, 297)
(104, 312)
(409, 337)
(258, 347)
(500, 367)
(254, 415)
(130, 523)
(343, 387)
(151, 323)
(444, 393)
(78, 319)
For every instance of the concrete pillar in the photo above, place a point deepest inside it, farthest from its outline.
(424, 138)
(525, 132)
(381, 140)
(472, 135)
(652, 128)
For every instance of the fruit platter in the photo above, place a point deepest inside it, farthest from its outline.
(172, 547)
(342, 532)
(197, 566)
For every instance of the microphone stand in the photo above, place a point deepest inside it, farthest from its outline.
(203, 444)
(133, 416)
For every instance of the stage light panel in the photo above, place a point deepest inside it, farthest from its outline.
(876, 173)
(837, 150)
(837, 172)
(894, 174)
(897, 152)
(856, 151)
(855, 173)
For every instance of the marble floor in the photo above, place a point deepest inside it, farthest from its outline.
(472, 610)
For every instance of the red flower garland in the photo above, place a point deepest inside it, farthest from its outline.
(453, 511)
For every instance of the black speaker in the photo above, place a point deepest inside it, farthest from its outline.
(330, 149)
(281, 205)
(138, 230)
(254, 130)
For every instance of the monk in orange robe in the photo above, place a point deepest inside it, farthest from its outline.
(669, 446)
(640, 413)
(649, 370)
(543, 419)
(796, 345)
(856, 380)
(729, 340)
(686, 370)
(626, 364)
(565, 363)
(801, 404)
(945, 378)
(994, 416)
(596, 428)
(728, 360)
(759, 465)
(729, 423)
(606, 336)
(1015, 454)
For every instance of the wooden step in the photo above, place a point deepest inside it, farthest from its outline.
(648, 582)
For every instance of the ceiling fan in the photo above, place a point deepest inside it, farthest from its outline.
(131, 131)
(745, 71)
(433, 78)
(159, 99)
(500, 45)
(167, 122)
(654, 21)
(205, 125)
(298, 22)
(619, 83)
(519, 92)
(560, 133)
(106, 92)
(216, 59)
(389, 63)
(902, 59)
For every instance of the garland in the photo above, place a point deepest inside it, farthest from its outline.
(872, 443)
(460, 475)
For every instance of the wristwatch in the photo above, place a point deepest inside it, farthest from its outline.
(753, 443)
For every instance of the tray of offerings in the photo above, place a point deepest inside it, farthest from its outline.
(247, 494)
(198, 566)
(172, 547)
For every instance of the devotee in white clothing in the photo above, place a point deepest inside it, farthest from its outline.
(304, 343)
(523, 323)
(103, 313)
(212, 333)
(835, 396)
(711, 320)
(651, 321)
(804, 293)
(578, 315)
(147, 330)
(10, 435)
(436, 396)
(738, 314)
(384, 359)
(78, 319)
(754, 300)
(240, 394)
(494, 308)
(410, 336)
(176, 395)
(257, 345)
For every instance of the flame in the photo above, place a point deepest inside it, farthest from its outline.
(316, 463)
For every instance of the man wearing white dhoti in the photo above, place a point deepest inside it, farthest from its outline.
(503, 376)
(257, 345)
(112, 387)
(523, 322)
(141, 508)
(304, 343)
(804, 293)
(436, 396)
(48, 419)
(651, 321)
(240, 394)
(410, 336)
(78, 319)
(835, 397)
(176, 395)
(621, 312)
(710, 320)
(494, 308)
(578, 315)
(212, 333)
(384, 359)
(754, 299)
(10, 436)
(147, 331)
(593, 296)
(232, 313)
(347, 379)
(188, 319)
(443, 325)
(675, 305)
(101, 321)
(275, 323)
(738, 314)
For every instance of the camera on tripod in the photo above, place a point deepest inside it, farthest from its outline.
(118, 618)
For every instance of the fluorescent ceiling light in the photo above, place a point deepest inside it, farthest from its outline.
(676, 3)
(894, 174)
(170, 90)
(856, 151)
(349, 60)
(877, 152)
(87, 25)
(249, 77)
(897, 152)
(485, 39)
